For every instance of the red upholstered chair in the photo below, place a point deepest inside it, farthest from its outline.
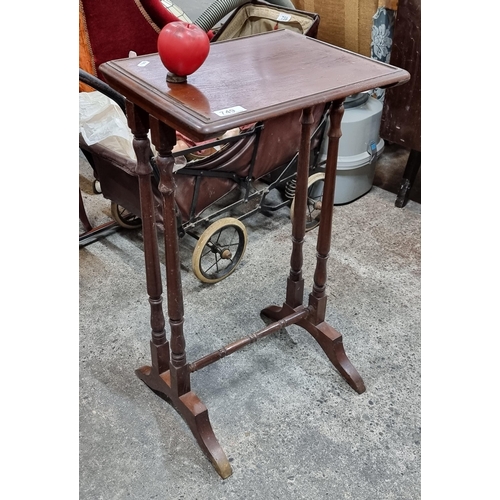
(110, 30)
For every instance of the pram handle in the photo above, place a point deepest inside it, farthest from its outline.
(102, 87)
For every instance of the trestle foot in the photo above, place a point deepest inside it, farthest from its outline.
(194, 413)
(329, 339)
(276, 313)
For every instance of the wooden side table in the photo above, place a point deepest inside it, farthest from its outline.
(243, 81)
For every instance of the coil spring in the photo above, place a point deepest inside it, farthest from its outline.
(290, 188)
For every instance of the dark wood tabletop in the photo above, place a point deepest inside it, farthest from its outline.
(248, 79)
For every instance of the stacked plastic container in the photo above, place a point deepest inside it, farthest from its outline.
(359, 147)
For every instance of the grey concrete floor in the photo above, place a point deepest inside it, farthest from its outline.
(290, 425)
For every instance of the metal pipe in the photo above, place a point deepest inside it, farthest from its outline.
(221, 8)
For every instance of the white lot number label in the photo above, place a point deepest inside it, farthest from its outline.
(284, 17)
(230, 111)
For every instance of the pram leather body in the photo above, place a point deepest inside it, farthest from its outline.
(276, 147)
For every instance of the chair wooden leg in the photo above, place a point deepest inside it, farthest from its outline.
(409, 176)
(83, 214)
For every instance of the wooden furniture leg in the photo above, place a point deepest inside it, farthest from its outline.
(169, 374)
(91, 233)
(409, 176)
(83, 214)
(329, 339)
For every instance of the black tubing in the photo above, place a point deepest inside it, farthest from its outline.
(102, 87)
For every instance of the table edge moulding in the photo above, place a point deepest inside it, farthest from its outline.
(265, 76)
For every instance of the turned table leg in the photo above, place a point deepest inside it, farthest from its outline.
(329, 339)
(164, 139)
(169, 373)
(317, 298)
(138, 121)
(295, 282)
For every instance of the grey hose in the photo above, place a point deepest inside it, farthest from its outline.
(283, 3)
(221, 8)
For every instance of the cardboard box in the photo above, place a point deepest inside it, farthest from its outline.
(345, 23)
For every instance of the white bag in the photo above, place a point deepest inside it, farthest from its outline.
(102, 121)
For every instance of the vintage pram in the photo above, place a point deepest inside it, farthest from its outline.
(224, 176)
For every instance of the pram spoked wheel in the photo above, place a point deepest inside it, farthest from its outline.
(219, 250)
(315, 185)
(124, 218)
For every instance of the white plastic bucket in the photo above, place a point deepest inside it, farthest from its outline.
(359, 148)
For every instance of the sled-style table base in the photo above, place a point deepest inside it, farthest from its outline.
(243, 81)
